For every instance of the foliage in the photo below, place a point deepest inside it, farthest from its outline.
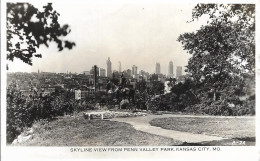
(226, 46)
(223, 108)
(154, 104)
(223, 58)
(141, 98)
(18, 114)
(114, 80)
(166, 102)
(62, 103)
(28, 28)
(124, 104)
(100, 97)
(181, 96)
(23, 111)
(141, 85)
(79, 106)
(157, 88)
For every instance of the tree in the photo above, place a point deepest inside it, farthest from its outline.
(157, 88)
(28, 28)
(141, 85)
(224, 49)
(223, 58)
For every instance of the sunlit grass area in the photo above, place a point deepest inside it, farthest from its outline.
(77, 131)
(238, 131)
(223, 127)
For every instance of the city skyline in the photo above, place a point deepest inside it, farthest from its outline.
(107, 34)
(133, 72)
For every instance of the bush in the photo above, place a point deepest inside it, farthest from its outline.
(19, 114)
(124, 104)
(223, 108)
(153, 104)
(22, 112)
(78, 106)
(247, 108)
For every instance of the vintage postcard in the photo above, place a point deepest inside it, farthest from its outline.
(129, 79)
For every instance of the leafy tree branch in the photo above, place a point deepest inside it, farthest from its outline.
(28, 28)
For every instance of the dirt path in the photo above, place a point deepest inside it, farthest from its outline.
(142, 124)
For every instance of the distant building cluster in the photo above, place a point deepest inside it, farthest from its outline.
(108, 72)
(96, 79)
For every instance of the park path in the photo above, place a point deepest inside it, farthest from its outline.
(142, 124)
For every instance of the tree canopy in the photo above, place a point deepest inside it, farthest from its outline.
(225, 47)
(28, 28)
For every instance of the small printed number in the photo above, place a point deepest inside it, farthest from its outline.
(239, 142)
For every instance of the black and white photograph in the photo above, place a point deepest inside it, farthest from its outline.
(132, 76)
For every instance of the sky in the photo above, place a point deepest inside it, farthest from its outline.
(134, 33)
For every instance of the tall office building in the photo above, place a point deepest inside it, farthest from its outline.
(129, 72)
(170, 69)
(109, 68)
(134, 70)
(92, 70)
(95, 74)
(157, 68)
(102, 72)
(178, 71)
(119, 67)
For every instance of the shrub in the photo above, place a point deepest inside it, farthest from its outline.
(22, 112)
(247, 108)
(153, 104)
(124, 104)
(19, 114)
(223, 108)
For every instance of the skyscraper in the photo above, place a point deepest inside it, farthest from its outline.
(157, 68)
(109, 68)
(102, 72)
(134, 70)
(129, 72)
(170, 69)
(96, 73)
(92, 70)
(178, 71)
(119, 67)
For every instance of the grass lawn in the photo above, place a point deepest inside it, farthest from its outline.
(223, 127)
(77, 131)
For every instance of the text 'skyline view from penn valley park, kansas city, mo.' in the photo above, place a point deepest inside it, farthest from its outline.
(130, 74)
